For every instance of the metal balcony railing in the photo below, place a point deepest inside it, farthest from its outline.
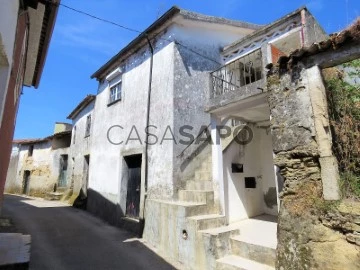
(231, 77)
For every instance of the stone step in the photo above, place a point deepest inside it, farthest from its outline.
(233, 262)
(200, 196)
(199, 185)
(205, 222)
(189, 209)
(61, 189)
(217, 241)
(250, 249)
(54, 196)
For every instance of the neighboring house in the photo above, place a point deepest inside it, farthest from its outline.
(79, 154)
(25, 33)
(39, 167)
(154, 81)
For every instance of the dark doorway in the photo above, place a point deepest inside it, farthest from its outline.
(63, 170)
(85, 183)
(133, 186)
(26, 186)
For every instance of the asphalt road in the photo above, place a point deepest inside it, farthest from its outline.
(67, 238)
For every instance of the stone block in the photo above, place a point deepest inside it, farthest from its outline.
(330, 178)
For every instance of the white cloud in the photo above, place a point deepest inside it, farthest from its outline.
(86, 36)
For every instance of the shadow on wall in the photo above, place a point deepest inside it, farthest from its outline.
(98, 205)
(81, 200)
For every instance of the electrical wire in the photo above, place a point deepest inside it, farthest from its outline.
(132, 30)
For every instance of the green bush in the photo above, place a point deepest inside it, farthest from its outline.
(343, 94)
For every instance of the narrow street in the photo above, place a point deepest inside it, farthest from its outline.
(68, 238)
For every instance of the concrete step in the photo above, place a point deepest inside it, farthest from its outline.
(205, 222)
(233, 262)
(217, 241)
(54, 196)
(199, 185)
(249, 249)
(200, 196)
(189, 209)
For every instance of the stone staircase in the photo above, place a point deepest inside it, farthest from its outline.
(191, 231)
(252, 245)
(247, 245)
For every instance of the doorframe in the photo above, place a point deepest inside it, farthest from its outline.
(85, 177)
(26, 184)
(123, 165)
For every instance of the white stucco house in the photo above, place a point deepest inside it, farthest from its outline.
(79, 153)
(158, 80)
(203, 195)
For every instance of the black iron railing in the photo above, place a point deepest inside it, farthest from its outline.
(231, 77)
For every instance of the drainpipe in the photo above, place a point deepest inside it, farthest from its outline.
(147, 134)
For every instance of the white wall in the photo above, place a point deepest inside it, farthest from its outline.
(10, 184)
(106, 158)
(80, 146)
(179, 93)
(258, 162)
(268, 172)
(8, 22)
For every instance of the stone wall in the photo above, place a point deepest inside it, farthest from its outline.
(312, 233)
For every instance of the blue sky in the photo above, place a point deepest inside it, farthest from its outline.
(80, 45)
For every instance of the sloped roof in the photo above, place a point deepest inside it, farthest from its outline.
(29, 141)
(334, 42)
(82, 105)
(40, 140)
(156, 27)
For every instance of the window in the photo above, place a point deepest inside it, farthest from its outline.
(88, 125)
(115, 92)
(31, 150)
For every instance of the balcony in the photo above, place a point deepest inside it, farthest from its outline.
(232, 77)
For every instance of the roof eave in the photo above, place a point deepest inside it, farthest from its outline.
(158, 23)
(43, 50)
(82, 105)
(265, 28)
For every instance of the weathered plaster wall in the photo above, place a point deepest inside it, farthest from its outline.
(61, 127)
(10, 184)
(175, 100)
(130, 113)
(79, 148)
(44, 167)
(192, 86)
(305, 236)
(313, 32)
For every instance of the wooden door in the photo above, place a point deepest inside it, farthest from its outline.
(133, 186)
